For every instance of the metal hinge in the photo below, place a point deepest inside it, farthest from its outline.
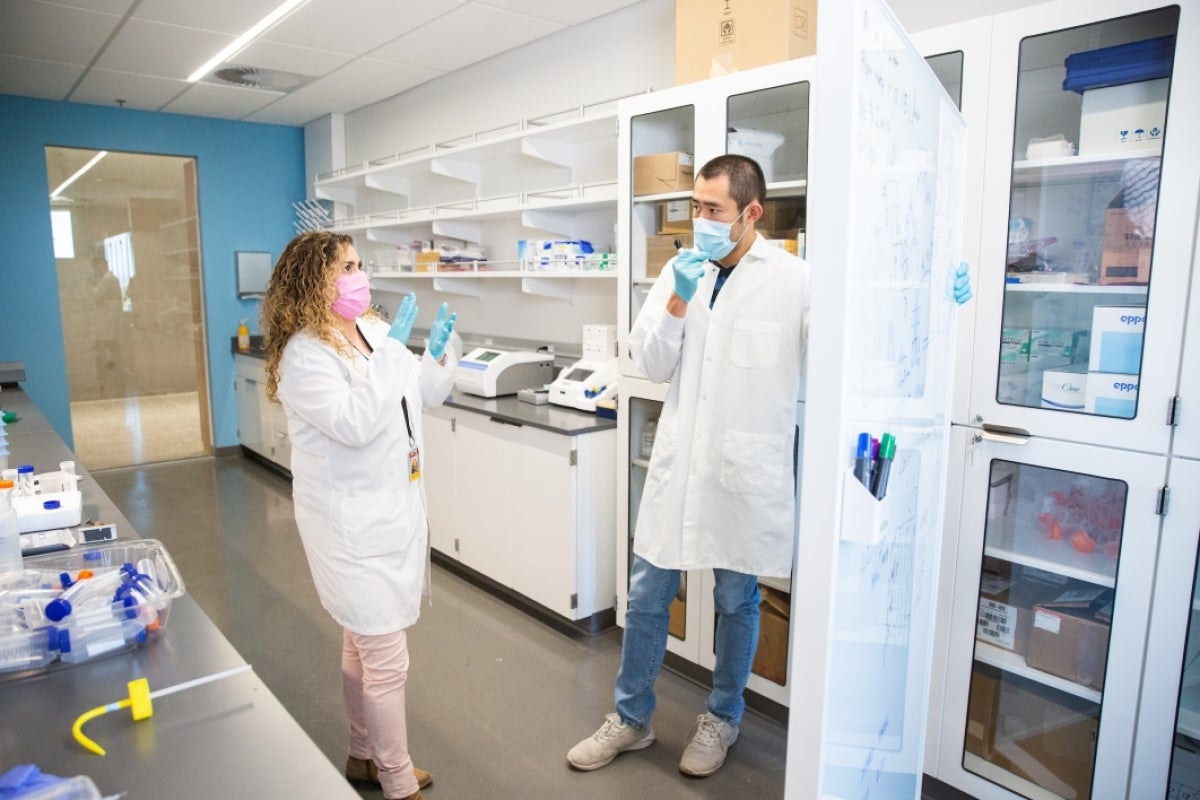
(453, 424)
(574, 459)
(574, 601)
(1173, 410)
(456, 545)
(1164, 498)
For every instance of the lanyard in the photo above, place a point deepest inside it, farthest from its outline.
(412, 441)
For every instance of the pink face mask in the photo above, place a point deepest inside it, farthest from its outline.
(354, 295)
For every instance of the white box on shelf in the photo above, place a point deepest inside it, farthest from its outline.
(1065, 389)
(1116, 344)
(758, 145)
(1111, 394)
(1126, 118)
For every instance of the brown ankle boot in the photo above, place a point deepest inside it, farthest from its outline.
(363, 770)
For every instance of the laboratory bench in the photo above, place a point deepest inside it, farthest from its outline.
(226, 738)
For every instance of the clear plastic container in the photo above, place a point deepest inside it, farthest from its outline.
(649, 429)
(26, 650)
(84, 642)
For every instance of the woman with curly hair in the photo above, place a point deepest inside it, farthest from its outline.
(354, 393)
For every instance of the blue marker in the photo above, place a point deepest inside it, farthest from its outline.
(862, 460)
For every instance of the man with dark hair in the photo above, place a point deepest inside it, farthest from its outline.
(726, 322)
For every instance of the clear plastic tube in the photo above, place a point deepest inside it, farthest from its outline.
(80, 643)
(27, 650)
(89, 591)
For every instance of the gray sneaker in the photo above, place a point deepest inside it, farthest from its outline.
(604, 745)
(709, 743)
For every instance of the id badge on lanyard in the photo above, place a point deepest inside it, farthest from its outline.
(414, 453)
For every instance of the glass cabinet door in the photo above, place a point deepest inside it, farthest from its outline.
(1047, 592)
(1090, 123)
(663, 153)
(1183, 782)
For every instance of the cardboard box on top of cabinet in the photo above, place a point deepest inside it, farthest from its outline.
(657, 173)
(1044, 736)
(661, 249)
(717, 38)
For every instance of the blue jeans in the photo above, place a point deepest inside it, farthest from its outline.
(651, 590)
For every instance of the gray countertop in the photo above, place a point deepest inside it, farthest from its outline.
(555, 419)
(229, 738)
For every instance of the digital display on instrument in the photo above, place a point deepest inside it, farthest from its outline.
(487, 355)
(579, 374)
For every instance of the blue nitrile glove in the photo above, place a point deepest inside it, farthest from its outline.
(688, 268)
(439, 334)
(405, 317)
(962, 283)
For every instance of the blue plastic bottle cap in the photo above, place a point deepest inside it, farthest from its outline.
(64, 641)
(24, 468)
(92, 556)
(50, 505)
(58, 608)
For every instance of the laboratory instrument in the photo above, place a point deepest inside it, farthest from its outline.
(486, 372)
(38, 542)
(594, 376)
(51, 499)
(534, 395)
(139, 702)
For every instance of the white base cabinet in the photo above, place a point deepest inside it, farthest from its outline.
(528, 508)
(262, 425)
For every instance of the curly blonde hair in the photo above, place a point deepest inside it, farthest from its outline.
(300, 297)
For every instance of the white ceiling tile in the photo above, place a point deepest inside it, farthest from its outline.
(48, 32)
(358, 84)
(118, 7)
(462, 37)
(164, 51)
(356, 28)
(103, 87)
(227, 102)
(289, 58)
(564, 13)
(223, 16)
(30, 78)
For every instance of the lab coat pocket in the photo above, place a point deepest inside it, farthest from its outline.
(755, 463)
(373, 526)
(755, 343)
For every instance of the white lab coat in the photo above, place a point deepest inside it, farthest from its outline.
(362, 521)
(720, 488)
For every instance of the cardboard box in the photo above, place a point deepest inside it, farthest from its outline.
(1111, 394)
(677, 611)
(426, 261)
(1014, 342)
(1065, 389)
(1116, 343)
(1007, 597)
(661, 248)
(782, 215)
(675, 216)
(714, 39)
(1069, 640)
(983, 706)
(663, 172)
(1128, 244)
(1043, 736)
(770, 660)
(1128, 118)
(1068, 344)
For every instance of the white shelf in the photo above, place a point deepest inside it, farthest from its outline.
(1054, 565)
(1070, 169)
(1075, 288)
(639, 199)
(1021, 540)
(1011, 662)
(782, 584)
(497, 274)
(554, 284)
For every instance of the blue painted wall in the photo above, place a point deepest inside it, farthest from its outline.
(248, 174)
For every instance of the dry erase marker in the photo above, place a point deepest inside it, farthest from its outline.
(862, 460)
(883, 465)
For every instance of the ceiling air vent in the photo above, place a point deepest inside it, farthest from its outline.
(270, 80)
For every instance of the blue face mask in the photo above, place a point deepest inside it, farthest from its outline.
(712, 237)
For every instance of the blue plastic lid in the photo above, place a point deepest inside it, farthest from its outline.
(142, 636)
(24, 468)
(54, 638)
(50, 505)
(58, 608)
(89, 555)
(65, 579)
(64, 641)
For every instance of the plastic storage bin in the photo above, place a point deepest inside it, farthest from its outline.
(76, 605)
(1124, 63)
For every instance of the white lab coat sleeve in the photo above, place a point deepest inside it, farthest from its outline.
(656, 341)
(313, 385)
(437, 379)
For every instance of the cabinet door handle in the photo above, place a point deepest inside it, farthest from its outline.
(499, 421)
(996, 433)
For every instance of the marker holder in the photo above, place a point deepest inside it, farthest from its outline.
(862, 514)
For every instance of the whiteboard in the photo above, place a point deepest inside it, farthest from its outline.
(887, 186)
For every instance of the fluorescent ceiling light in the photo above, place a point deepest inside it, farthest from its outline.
(95, 160)
(239, 44)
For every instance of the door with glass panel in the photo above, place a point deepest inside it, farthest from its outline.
(1088, 220)
(1055, 566)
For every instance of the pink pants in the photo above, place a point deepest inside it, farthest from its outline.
(374, 671)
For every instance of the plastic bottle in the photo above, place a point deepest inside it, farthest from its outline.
(81, 642)
(25, 486)
(243, 336)
(89, 590)
(649, 429)
(28, 649)
(10, 540)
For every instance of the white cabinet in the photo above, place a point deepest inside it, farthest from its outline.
(262, 425)
(550, 177)
(529, 508)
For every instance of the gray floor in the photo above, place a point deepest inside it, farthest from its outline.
(496, 698)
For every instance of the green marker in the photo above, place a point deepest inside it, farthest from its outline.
(883, 465)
